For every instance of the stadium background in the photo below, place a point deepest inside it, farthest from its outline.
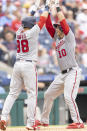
(11, 13)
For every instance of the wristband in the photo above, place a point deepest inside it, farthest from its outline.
(47, 8)
(58, 9)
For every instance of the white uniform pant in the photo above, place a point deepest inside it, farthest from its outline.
(68, 84)
(24, 73)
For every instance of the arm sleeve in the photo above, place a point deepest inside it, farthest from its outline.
(42, 21)
(64, 26)
(50, 27)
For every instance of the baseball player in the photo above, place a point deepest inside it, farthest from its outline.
(24, 71)
(68, 80)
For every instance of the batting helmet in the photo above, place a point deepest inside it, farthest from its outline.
(58, 25)
(29, 22)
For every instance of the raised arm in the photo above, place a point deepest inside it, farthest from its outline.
(43, 19)
(44, 15)
(50, 27)
(62, 21)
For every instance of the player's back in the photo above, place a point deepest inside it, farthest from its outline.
(27, 43)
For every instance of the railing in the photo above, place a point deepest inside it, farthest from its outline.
(17, 115)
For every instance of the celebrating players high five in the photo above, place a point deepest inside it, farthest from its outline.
(25, 73)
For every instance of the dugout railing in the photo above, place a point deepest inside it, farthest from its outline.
(17, 113)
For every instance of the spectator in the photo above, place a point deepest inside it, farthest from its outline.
(70, 17)
(26, 8)
(43, 60)
(52, 54)
(16, 22)
(82, 16)
(10, 6)
(6, 19)
(10, 44)
(1, 12)
(6, 28)
(84, 55)
(83, 45)
(10, 41)
(78, 55)
(3, 52)
(70, 20)
(18, 5)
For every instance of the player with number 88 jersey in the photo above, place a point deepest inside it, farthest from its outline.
(27, 41)
(24, 71)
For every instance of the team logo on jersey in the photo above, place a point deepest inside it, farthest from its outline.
(60, 44)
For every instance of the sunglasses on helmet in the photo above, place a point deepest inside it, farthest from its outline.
(59, 26)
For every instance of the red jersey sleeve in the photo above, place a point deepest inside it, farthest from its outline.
(64, 26)
(42, 21)
(50, 27)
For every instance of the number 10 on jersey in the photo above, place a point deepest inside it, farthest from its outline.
(22, 45)
(62, 53)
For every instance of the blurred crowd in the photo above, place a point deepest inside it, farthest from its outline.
(13, 11)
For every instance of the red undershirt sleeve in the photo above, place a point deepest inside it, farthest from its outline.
(50, 27)
(65, 26)
(42, 21)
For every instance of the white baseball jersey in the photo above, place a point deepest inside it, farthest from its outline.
(25, 72)
(65, 50)
(27, 43)
(68, 82)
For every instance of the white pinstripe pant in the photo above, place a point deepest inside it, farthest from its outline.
(68, 84)
(24, 72)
